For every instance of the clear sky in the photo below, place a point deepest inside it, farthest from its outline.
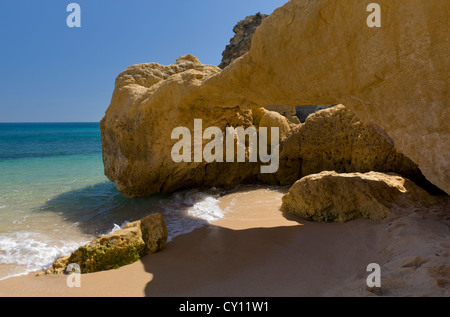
(52, 73)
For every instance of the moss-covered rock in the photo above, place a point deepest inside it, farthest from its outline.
(119, 248)
(107, 252)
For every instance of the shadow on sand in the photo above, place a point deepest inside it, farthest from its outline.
(300, 258)
(307, 259)
(310, 259)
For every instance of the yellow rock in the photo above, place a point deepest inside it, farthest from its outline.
(335, 139)
(333, 197)
(154, 233)
(136, 131)
(305, 53)
(323, 52)
(272, 119)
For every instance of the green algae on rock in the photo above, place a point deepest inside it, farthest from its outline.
(122, 247)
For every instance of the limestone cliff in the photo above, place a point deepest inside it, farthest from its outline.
(242, 40)
(323, 52)
(335, 139)
(306, 52)
(137, 137)
(137, 130)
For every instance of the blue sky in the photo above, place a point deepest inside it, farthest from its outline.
(52, 73)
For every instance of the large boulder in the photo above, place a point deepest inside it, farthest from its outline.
(272, 119)
(122, 247)
(137, 130)
(333, 197)
(335, 139)
(323, 52)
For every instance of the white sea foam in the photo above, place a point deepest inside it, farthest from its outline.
(17, 221)
(117, 227)
(205, 207)
(185, 211)
(29, 252)
(189, 210)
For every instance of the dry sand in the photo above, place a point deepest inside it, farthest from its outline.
(256, 250)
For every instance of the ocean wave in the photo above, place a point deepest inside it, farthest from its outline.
(29, 252)
(190, 209)
(186, 211)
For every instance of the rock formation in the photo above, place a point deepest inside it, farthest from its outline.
(302, 112)
(306, 52)
(242, 40)
(137, 137)
(137, 130)
(335, 139)
(119, 248)
(240, 44)
(288, 112)
(333, 197)
(274, 119)
(323, 52)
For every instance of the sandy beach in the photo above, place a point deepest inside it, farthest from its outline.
(256, 250)
(240, 149)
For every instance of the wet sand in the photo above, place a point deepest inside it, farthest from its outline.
(256, 250)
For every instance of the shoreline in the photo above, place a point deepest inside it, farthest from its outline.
(313, 161)
(248, 254)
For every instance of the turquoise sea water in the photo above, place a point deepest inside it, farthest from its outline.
(54, 196)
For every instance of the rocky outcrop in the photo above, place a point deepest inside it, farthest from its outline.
(323, 52)
(335, 139)
(137, 131)
(119, 248)
(137, 137)
(272, 119)
(333, 197)
(288, 112)
(302, 112)
(306, 52)
(241, 42)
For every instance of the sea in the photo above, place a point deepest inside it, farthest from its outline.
(54, 196)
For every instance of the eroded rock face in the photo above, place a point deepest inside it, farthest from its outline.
(137, 137)
(119, 248)
(137, 130)
(335, 139)
(333, 197)
(276, 120)
(394, 76)
(241, 42)
(323, 52)
(306, 52)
